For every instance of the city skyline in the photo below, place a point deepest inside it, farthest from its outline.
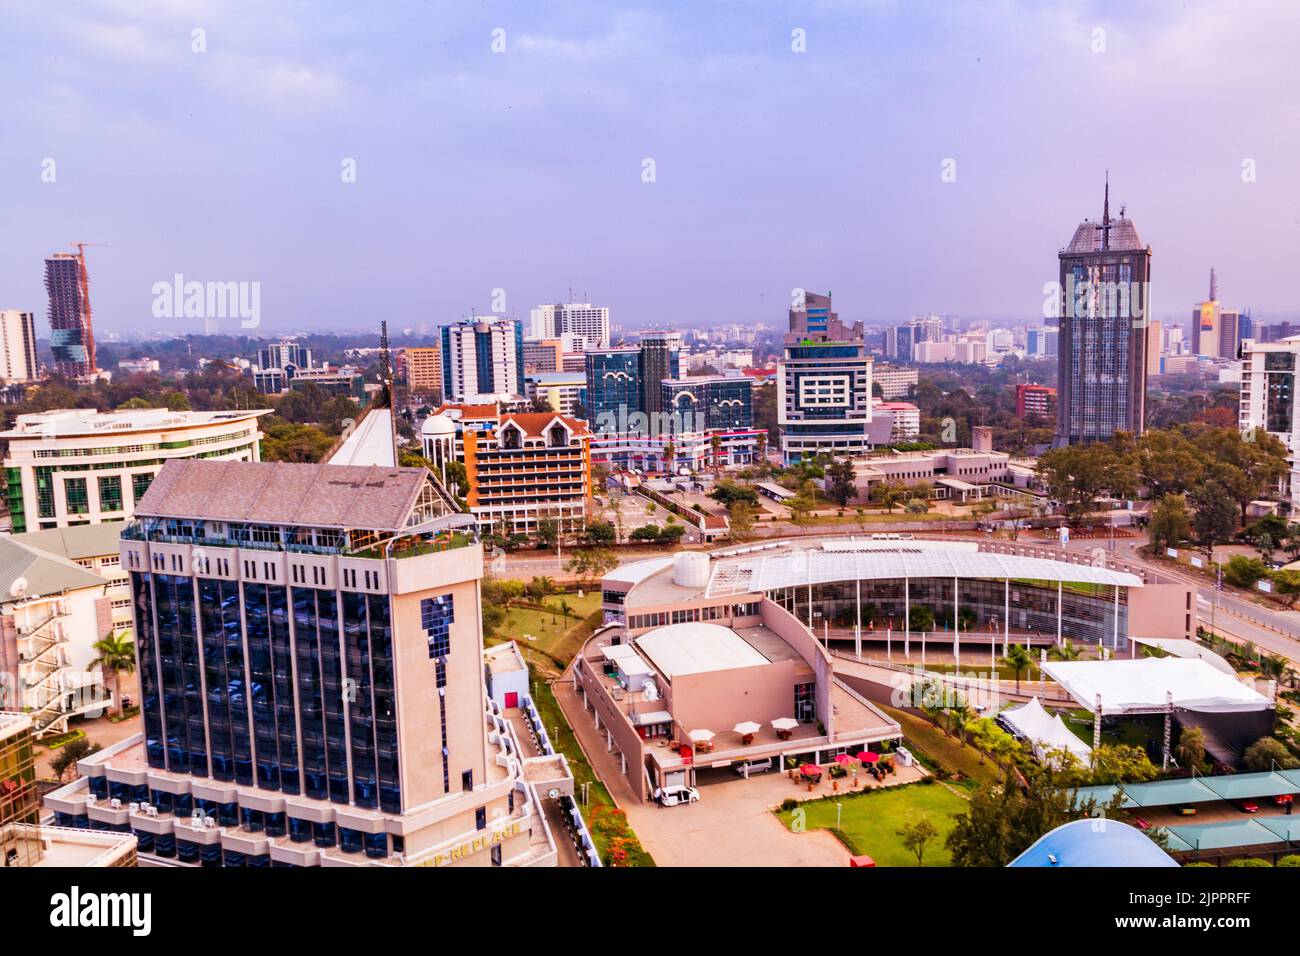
(282, 154)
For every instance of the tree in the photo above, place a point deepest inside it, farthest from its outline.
(1019, 660)
(1171, 523)
(921, 618)
(1121, 763)
(115, 654)
(1216, 516)
(887, 494)
(715, 444)
(1243, 571)
(1263, 753)
(728, 492)
(1265, 546)
(66, 757)
(916, 506)
(1078, 475)
(540, 587)
(1191, 747)
(590, 565)
(598, 533)
(1066, 651)
(548, 532)
(841, 481)
(741, 516)
(917, 835)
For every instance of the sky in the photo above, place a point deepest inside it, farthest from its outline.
(685, 164)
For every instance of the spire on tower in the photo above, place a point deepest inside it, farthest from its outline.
(1214, 286)
(1105, 216)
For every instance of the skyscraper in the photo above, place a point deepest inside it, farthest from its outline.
(72, 338)
(660, 359)
(1105, 275)
(585, 325)
(17, 346)
(482, 358)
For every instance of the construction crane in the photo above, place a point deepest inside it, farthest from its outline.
(84, 277)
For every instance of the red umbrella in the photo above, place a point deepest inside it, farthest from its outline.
(868, 757)
(810, 770)
(844, 758)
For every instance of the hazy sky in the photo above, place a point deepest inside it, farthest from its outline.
(523, 170)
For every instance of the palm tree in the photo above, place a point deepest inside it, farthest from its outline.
(116, 653)
(670, 452)
(716, 442)
(1066, 652)
(565, 610)
(1018, 660)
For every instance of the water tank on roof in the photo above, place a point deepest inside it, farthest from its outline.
(691, 569)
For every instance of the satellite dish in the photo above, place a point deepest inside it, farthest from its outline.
(552, 793)
(18, 588)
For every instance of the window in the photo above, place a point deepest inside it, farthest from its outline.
(110, 493)
(140, 484)
(74, 495)
(436, 617)
(480, 818)
(467, 780)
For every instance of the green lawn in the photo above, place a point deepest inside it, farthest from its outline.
(929, 742)
(552, 636)
(870, 821)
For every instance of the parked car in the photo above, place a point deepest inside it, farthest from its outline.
(754, 766)
(1284, 799)
(1142, 824)
(1247, 806)
(672, 796)
(1185, 809)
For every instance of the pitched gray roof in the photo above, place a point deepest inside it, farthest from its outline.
(78, 541)
(44, 573)
(1123, 236)
(323, 496)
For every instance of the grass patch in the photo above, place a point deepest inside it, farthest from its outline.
(554, 641)
(608, 825)
(62, 740)
(870, 821)
(935, 748)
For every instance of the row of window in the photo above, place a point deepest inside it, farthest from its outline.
(719, 612)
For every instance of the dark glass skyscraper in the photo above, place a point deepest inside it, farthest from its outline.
(72, 339)
(1105, 275)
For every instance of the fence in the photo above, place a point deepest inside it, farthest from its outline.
(573, 821)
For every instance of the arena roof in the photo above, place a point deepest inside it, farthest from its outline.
(1094, 842)
(769, 572)
(1142, 685)
(696, 648)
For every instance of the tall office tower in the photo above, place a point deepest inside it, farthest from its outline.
(17, 346)
(312, 685)
(278, 364)
(1155, 346)
(1105, 276)
(660, 360)
(814, 320)
(424, 369)
(545, 355)
(72, 336)
(613, 388)
(482, 359)
(1247, 330)
(586, 325)
(904, 342)
(1268, 401)
(1216, 331)
(823, 399)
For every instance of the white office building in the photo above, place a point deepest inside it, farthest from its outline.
(583, 325)
(483, 361)
(1268, 401)
(17, 347)
(80, 466)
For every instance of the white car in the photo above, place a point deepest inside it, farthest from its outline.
(672, 796)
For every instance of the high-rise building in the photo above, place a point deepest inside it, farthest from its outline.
(824, 399)
(1034, 400)
(424, 369)
(546, 355)
(1216, 331)
(613, 389)
(312, 681)
(1041, 340)
(813, 319)
(278, 363)
(17, 347)
(1268, 401)
(72, 336)
(660, 360)
(1105, 276)
(709, 403)
(583, 325)
(1155, 346)
(482, 359)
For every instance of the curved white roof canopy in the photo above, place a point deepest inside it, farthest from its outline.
(801, 568)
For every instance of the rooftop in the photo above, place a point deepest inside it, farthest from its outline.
(1088, 237)
(369, 443)
(283, 493)
(697, 648)
(26, 571)
(81, 422)
(76, 542)
(1142, 685)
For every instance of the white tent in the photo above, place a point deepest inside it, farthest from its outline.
(1045, 731)
(1144, 685)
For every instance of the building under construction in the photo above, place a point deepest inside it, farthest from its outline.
(72, 338)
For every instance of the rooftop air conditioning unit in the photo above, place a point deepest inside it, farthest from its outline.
(135, 807)
(115, 803)
(150, 810)
(209, 823)
(91, 799)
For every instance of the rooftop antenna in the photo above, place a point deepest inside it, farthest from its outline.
(389, 388)
(1214, 286)
(1105, 216)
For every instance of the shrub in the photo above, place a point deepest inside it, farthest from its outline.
(1249, 861)
(1291, 859)
(790, 803)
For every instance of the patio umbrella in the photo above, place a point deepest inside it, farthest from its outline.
(785, 723)
(843, 758)
(747, 727)
(868, 757)
(699, 735)
(810, 770)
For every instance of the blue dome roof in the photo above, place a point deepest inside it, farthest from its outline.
(1094, 842)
